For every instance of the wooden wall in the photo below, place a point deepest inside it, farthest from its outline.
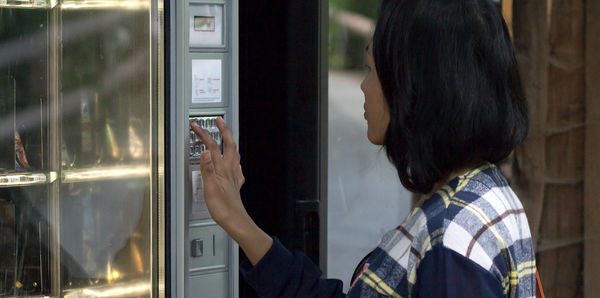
(592, 152)
(557, 170)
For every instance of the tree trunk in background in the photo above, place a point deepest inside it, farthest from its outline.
(549, 172)
(592, 151)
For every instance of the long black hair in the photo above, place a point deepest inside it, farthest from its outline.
(450, 78)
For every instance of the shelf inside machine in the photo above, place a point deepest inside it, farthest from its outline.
(134, 288)
(28, 3)
(106, 173)
(26, 179)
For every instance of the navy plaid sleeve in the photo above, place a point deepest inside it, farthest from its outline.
(445, 273)
(281, 273)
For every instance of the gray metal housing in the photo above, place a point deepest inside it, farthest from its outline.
(188, 275)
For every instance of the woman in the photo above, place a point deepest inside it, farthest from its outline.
(443, 97)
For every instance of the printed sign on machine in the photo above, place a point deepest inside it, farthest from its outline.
(207, 81)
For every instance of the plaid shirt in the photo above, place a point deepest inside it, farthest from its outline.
(476, 223)
(470, 239)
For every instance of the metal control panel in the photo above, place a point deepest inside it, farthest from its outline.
(198, 210)
(205, 48)
(210, 125)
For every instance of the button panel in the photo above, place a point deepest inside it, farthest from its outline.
(209, 123)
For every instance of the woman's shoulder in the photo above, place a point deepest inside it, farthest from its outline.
(486, 223)
(482, 205)
(481, 192)
(414, 237)
(476, 215)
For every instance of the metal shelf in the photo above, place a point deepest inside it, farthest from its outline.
(30, 296)
(123, 289)
(26, 179)
(105, 4)
(28, 4)
(106, 173)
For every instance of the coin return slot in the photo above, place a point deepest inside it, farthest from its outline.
(198, 248)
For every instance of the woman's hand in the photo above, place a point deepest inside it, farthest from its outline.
(222, 179)
(222, 176)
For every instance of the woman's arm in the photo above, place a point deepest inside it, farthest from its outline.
(444, 273)
(281, 273)
(273, 270)
(222, 179)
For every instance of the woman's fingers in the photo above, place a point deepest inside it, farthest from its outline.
(229, 164)
(207, 168)
(211, 145)
(230, 150)
(208, 141)
(222, 176)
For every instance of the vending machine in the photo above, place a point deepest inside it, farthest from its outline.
(204, 69)
(100, 187)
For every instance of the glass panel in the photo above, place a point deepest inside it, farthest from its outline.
(24, 198)
(89, 199)
(363, 187)
(105, 197)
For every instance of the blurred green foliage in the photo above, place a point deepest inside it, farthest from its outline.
(367, 8)
(346, 48)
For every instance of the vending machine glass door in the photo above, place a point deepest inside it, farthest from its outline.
(80, 148)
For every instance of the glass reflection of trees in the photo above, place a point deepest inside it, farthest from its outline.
(103, 80)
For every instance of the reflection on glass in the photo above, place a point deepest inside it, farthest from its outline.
(24, 253)
(103, 193)
(362, 182)
(24, 225)
(131, 289)
(24, 179)
(108, 241)
(106, 170)
(28, 3)
(106, 4)
(106, 173)
(7, 120)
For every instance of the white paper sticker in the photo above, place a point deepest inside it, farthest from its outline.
(207, 83)
(199, 208)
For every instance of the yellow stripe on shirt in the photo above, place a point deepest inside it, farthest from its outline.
(371, 279)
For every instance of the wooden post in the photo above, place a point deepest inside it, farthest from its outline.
(507, 13)
(592, 151)
(560, 251)
(549, 35)
(531, 40)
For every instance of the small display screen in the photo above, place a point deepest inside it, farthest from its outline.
(204, 23)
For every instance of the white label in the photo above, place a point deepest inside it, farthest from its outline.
(207, 83)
